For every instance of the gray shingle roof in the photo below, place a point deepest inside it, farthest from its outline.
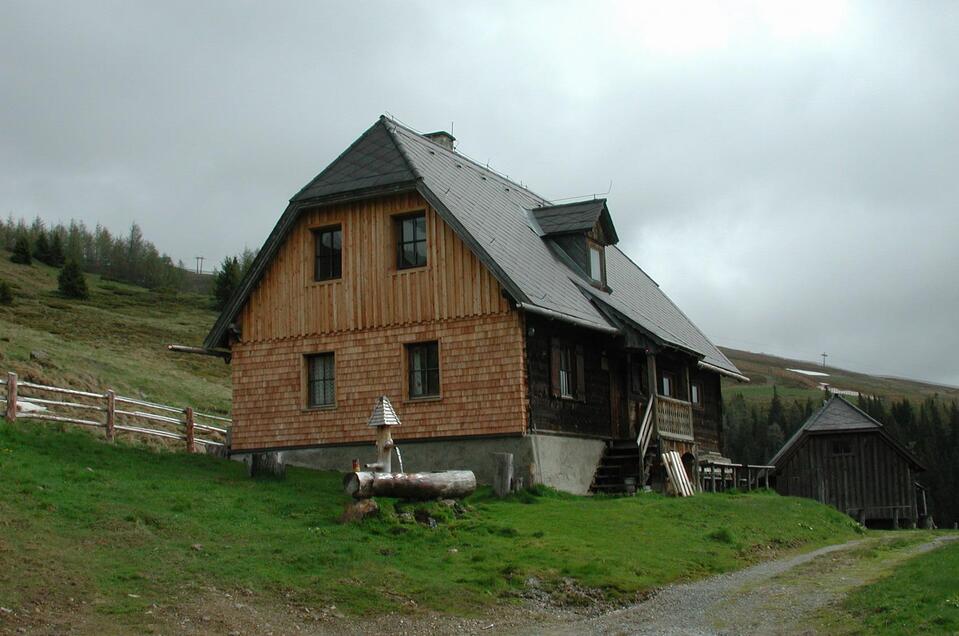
(371, 161)
(570, 217)
(838, 416)
(489, 212)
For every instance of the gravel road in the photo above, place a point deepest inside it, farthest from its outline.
(776, 597)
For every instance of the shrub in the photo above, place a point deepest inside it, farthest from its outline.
(72, 283)
(6, 293)
(21, 250)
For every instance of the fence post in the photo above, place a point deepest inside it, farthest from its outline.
(111, 412)
(190, 441)
(11, 396)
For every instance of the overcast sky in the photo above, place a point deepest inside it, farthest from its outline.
(787, 171)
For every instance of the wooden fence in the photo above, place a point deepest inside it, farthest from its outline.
(113, 413)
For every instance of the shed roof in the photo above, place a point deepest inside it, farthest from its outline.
(837, 415)
(490, 213)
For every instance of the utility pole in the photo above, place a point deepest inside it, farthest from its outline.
(199, 264)
(824, 356)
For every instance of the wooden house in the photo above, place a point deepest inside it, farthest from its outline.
(493, 319)
(846, 459)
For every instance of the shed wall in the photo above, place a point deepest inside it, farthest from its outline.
(874, 477)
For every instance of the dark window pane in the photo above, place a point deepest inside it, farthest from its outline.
(329, 244)
(424, 373)
(320, 381)
(411, 241)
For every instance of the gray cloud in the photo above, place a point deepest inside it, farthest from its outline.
(788, 178)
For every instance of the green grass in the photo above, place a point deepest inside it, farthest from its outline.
(116, 525)
(919, 597)
(116, 339)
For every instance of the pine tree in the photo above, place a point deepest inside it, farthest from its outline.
(6, 293)
(41, 248)
(57, 257)
(21, 250)
(227, 278)
(72, 283)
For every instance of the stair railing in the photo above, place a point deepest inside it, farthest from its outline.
(646, 429)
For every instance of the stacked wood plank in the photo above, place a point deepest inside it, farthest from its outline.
(676, 472)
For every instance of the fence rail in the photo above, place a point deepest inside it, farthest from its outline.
(718, 476)
(77, 407)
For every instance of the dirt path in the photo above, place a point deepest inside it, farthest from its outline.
(777, 597)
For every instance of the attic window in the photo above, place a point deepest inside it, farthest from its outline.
(328, 253)
(411, 241)
(842, 448)
(597, 263)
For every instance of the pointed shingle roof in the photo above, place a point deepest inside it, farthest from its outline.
(839, 416)
(490, 213)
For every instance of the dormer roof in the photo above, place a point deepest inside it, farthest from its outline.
(575, 218)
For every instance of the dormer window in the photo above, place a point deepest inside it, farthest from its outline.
(597, 263)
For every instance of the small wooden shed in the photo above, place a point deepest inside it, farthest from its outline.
(844, 458)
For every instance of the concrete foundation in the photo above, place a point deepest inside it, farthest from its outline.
(564, 463)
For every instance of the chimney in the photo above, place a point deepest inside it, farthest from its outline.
(441, 138)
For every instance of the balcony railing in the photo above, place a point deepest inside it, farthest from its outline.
(674, 418)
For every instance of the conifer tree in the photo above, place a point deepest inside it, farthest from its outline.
(227, 278)
(6, 293)
(41, 247)
(21, 250)
(72, 283)
(57, 257)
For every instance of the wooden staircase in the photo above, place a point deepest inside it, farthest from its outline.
(618, 467)
(624, 467)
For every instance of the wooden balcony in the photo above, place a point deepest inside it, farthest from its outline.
(674, 418)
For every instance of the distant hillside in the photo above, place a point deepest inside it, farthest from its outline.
(764, 371)
(116, 339)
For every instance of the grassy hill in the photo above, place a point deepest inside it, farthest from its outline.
(765, 371)
(116, 339)
(130, 539)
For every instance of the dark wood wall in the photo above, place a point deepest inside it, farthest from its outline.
(587, 416)
(872, 476)
(708, 417)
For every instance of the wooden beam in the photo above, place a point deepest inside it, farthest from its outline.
(11, 396)
(175, 348)
(111, 413)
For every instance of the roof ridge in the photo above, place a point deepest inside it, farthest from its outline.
(459, 155)
(338, 157)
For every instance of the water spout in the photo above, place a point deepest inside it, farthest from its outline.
(399, 458)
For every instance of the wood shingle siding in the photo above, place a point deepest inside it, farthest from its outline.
(487, 352)
(364, 318)
(372, 292)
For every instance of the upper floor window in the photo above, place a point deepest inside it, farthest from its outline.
(423, 364)
(411, 241)
(597, 263)
(328, 251)
(320, 380)
(696, 393)
(667, 384)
